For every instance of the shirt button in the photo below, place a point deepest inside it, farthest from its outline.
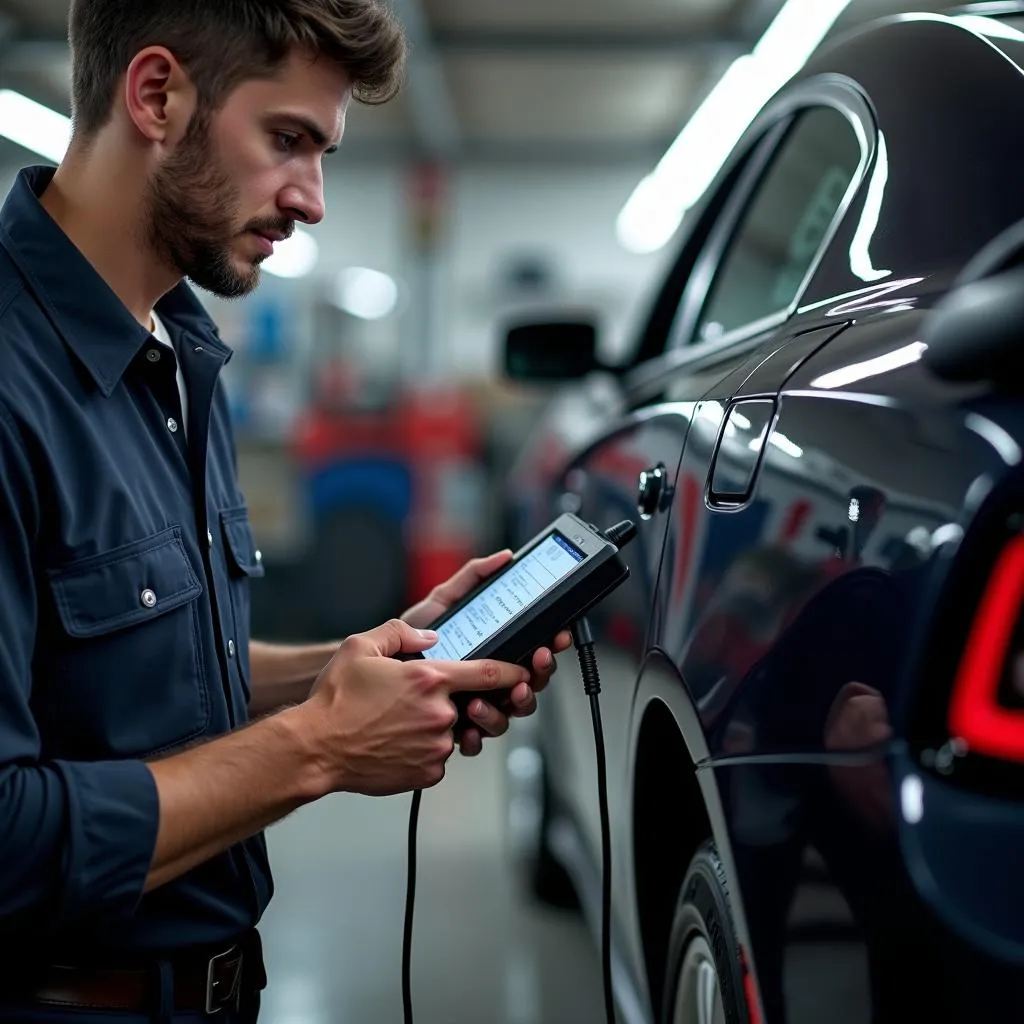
(231, 648)
(149, 598)
(209, 538)
(259, 557)
(153, 355)
(172, 425)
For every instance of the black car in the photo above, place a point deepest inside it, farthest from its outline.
(814, 679)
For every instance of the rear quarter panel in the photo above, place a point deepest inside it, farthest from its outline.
(793, 631)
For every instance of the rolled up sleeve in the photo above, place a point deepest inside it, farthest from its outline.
(76, 839)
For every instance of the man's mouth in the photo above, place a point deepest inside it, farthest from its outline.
(266, 242)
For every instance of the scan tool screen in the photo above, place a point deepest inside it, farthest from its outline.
(515, 589)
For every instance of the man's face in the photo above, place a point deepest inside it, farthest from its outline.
(241, 177)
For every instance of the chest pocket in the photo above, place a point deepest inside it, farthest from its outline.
(244, 563)
(122, 662)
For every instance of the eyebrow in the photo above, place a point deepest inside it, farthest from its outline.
(310, 127)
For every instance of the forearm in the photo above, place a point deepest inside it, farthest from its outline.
(283, 675)
(214, 796)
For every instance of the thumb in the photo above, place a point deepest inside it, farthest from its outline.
(396, 637)
(492, 563)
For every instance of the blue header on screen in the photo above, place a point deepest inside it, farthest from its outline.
(563, 543)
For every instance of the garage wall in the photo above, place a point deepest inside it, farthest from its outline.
(562, 218)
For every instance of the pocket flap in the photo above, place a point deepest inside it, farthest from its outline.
(125, 586)
(240, 543)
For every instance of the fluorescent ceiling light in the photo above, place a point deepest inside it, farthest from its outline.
(364, 293)
(655, 210)
(34, 126)
(912, 800)
(784, 444)
(996, 436)
(991, 27)
(871, 367)
(951, 533)
(860, 255)
(295, 257)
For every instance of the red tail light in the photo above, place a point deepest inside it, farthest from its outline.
(975, 713)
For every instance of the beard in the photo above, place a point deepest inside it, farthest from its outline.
(192, 211)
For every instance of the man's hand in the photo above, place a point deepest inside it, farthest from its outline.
(380, 726)
(491, 719)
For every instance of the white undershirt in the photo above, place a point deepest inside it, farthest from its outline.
(160, 333)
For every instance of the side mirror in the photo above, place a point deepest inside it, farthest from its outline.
(552, 351)
(977, 332)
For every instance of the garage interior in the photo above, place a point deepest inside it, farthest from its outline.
(496, 185)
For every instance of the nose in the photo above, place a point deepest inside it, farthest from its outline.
(303, 200)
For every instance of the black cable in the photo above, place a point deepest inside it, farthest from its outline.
(584, 642)
(410, 899)
(620, 534)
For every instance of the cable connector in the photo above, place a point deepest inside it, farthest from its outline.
(584, 641)
(621, 533)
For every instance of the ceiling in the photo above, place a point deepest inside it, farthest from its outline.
(591, 82)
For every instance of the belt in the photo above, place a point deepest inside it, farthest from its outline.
(202, 984)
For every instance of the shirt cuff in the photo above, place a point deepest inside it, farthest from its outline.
(113, 818)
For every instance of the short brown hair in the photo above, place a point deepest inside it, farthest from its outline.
(223, 43)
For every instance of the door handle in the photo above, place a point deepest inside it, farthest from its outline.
(651, 491)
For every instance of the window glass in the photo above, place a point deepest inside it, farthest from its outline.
(785, 224)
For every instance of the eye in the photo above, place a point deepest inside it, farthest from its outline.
(286, 141)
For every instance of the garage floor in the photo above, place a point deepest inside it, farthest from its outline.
(482, 951)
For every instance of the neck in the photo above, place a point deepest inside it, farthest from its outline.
(100, 204)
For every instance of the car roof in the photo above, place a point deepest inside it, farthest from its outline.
(948, 106)
(863, 12)
(938, 204)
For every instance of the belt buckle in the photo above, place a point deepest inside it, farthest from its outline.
(214, 1002)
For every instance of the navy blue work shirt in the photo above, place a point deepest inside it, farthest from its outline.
(125, 558)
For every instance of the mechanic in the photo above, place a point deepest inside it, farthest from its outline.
(145, 743)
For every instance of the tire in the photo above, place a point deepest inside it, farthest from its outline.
(704, 971)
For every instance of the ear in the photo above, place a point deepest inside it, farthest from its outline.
(159, 95)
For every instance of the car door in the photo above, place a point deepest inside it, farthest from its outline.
(633, 470)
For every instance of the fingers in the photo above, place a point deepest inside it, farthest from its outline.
(851, 690)
(470, 743)
(483, 675)
(544, 667)
(487, 718)
(562, 642)
(469, 576)
(543, 662)
(391, 638)
(524, 700)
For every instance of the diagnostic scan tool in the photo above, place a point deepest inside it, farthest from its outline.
(549, 584)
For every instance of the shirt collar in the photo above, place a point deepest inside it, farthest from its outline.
(94, 323)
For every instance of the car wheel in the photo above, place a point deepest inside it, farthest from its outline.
(703, 975)
(529, 814)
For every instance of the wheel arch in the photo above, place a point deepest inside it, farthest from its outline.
(676, 807)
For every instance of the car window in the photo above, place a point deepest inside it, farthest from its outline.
(784, 226)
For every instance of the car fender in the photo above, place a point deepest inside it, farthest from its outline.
(660, 684)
